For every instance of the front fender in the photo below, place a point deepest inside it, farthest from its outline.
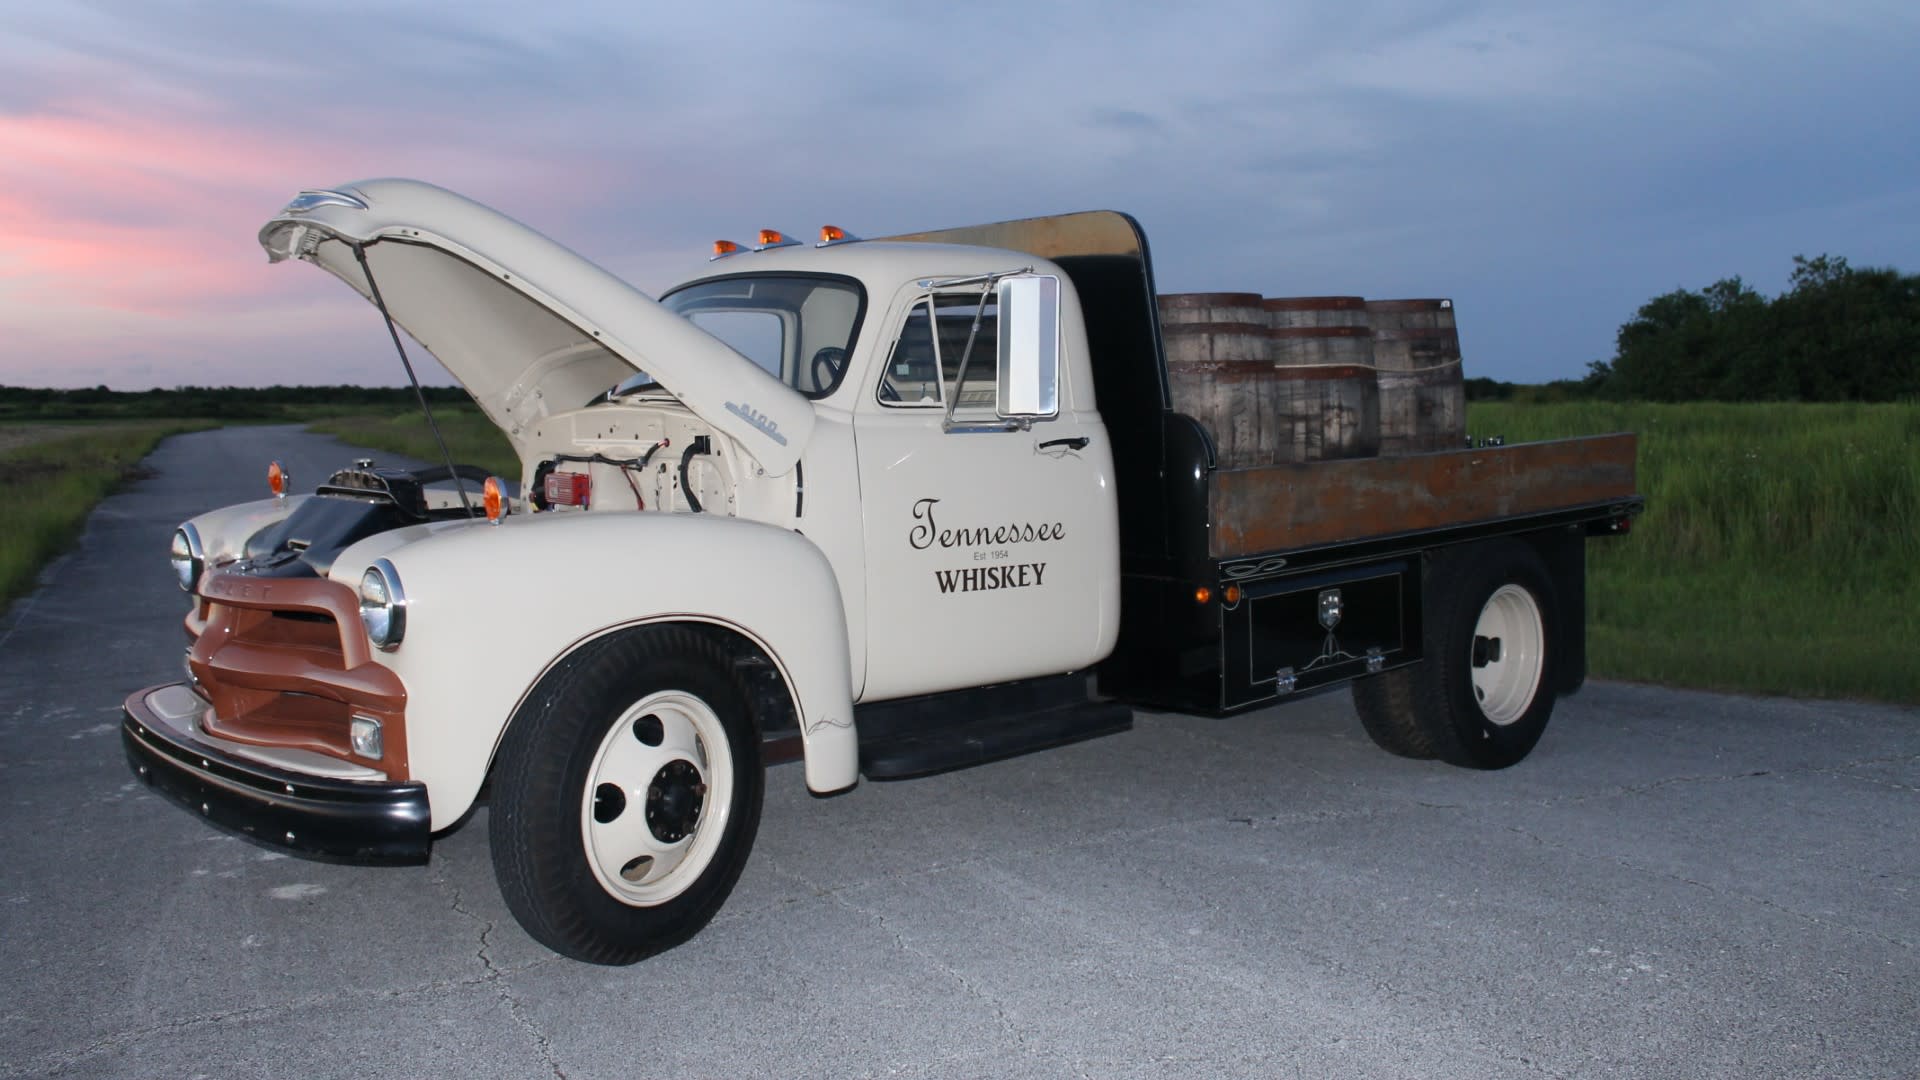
(491, 608)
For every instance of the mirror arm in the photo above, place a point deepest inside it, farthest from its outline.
(966, 354)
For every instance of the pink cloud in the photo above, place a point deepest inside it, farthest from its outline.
(127, 235)
(124, 212)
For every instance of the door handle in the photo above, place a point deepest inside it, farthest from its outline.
(1078, 442)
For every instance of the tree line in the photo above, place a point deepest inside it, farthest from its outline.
(220, 403)
(1839, 333)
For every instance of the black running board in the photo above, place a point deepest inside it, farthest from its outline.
(912, 737)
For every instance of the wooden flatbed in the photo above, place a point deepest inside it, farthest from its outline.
(1272, 508)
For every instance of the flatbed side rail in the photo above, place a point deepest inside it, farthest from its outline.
(1601, 518)
(1368, 503)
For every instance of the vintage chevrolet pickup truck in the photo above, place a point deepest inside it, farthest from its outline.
(885, 508)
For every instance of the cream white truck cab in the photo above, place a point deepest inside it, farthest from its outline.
(886, 508)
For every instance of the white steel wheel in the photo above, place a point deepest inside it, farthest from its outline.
(655, 805)
(626, 795)
(1484, 690)
(1509, 654)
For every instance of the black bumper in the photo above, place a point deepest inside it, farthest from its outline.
(355, 820)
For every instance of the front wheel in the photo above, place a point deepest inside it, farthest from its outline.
(626, 796)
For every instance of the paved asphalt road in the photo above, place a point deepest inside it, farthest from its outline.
(1675, 884)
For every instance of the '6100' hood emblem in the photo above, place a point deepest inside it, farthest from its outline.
(759, 420)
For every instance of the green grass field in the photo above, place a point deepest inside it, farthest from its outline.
(1780, 550)
(50, 478)
(470, 436)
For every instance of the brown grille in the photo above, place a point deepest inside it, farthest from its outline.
(286, 663)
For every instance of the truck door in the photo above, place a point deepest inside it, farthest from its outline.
(990, 546)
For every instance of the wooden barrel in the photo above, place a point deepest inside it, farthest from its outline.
(1410, 314)
(1412, 334)
(1326, 411)
(1233, 400)
(1285, 311)
(1214, 343)
(1308, 345)
(1423, 398)
(1212, 307)
(1422, 410)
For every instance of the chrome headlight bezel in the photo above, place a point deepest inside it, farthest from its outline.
(188, 555)
(383, 605)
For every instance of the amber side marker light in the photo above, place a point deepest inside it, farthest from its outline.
(493, 496)
(1202, 595)
(1231, 595)
(277, 480)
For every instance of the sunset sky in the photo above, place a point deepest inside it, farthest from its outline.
(1551, 166)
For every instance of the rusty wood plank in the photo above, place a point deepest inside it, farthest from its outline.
(1283, 507)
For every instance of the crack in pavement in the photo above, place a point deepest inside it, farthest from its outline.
(496, 975)
(901, 942)
(967, 986)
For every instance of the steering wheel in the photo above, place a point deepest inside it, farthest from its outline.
(830, 360)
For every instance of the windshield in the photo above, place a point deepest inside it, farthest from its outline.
(799, 327)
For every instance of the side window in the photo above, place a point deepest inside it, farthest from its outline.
(926, 358)
(756, 335)
(912, 376)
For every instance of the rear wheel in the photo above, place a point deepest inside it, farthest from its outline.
(626, 797)
(1484, 693)
(1385, 705)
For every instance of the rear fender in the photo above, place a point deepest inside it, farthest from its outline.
(490, 609)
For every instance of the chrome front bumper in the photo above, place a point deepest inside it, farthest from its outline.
(375, 821)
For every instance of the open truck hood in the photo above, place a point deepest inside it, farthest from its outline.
(528, 327)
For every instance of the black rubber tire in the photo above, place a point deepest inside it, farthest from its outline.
(539, 779)
(1385, 705)
(1439, 690)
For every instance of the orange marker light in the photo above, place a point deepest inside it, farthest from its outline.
(772, 238)
(725, 247)
(831, 233)
(277, 479)
(1202, 594)
(1232, 595)
(493, 496)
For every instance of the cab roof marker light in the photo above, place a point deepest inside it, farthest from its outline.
(774, 238)
(278, 480)
(834, 234)
(724, 248)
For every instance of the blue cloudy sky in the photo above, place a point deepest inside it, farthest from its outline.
(1549, 165)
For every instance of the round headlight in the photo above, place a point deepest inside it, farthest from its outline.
(189, 558)
(383, 606)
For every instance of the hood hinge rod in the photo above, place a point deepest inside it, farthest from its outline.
(360, 253)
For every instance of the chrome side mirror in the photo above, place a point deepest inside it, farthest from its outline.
(1029, 343)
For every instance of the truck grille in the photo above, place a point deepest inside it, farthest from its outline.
(284, 662)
